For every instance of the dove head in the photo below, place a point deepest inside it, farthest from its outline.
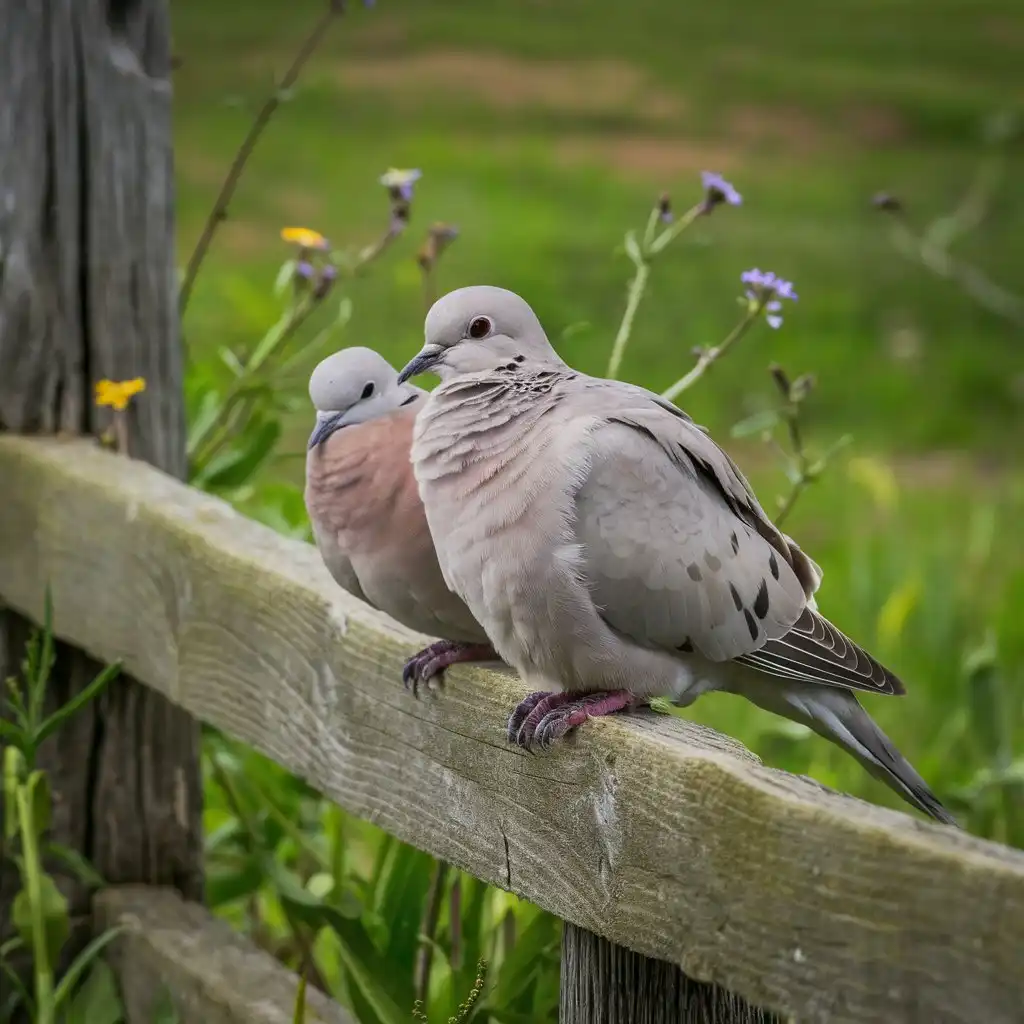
(354, 386)
(479, 328)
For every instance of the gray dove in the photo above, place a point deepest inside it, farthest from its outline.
(366, 513)
(613, 552)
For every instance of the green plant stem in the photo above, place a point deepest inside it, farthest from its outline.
(637, 287)
(652, 226)
(651, 247)
(207, 443)
(674, 230)
(804, 475)
(798, 488)
(974, 282)
(710, 356)
(41, 967)
(220, 208)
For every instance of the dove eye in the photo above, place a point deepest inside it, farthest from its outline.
(480, 327)
(367, 391)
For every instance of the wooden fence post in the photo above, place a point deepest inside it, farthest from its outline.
(87, 291)
(604, 983)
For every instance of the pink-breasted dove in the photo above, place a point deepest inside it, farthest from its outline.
(613, 552)
(366, 513)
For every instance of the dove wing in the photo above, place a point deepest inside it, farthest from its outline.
(679, 554)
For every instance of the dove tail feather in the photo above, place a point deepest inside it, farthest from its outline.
(838, 716)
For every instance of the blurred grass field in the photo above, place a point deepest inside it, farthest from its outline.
(544, 130)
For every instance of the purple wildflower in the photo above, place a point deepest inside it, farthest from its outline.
(718, 190)
(765, 290)
(400, 182)
(304, 269)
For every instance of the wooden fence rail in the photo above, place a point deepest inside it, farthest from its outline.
(657, 834)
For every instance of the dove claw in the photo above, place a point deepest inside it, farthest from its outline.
(542, 718)
(429, 664)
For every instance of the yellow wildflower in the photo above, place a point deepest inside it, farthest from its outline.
(305, 238)
(118, 393)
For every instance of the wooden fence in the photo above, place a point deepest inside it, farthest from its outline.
(660, 835)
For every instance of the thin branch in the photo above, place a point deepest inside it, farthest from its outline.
(641, 255)
(709, 356)
(220, 207)
(970, 278)
(637, 287)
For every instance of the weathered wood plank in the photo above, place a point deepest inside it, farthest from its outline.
(659, 835)
(605, 983)
(87, 291)
(212, 974)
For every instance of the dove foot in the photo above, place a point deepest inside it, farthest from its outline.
(542, 718)
(433, 660)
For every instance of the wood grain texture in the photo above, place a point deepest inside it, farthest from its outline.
(175, 949)
(87, 291)
(605, 983)
(659, 835)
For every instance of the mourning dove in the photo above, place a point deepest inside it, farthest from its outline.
(613, 552)
(366, 514)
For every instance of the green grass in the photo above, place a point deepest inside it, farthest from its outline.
(809, 115)
(544, 131)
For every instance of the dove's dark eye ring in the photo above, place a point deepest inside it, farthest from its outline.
(480, 327)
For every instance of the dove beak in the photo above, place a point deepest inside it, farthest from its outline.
(326, 424)
(429, 357)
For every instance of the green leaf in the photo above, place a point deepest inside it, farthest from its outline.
(271, 340)
(54, 913)
(97, 1001)
(19, 993)
(241, 464)
(767, 419)
(202, 422)
(226, 886)
(80, 699)
(16, 702)
(305, 907)
(231, 361)
(226, 836)
(372, 975)
(253, 305)
(10, 733)
(403, 898)
(77, 865)
(284, 277)
(165, 1012)
(47, 656)
(633, 248)
(520, 967)
(988, 715)
(344, 312)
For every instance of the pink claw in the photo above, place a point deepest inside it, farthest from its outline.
(542, 717)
